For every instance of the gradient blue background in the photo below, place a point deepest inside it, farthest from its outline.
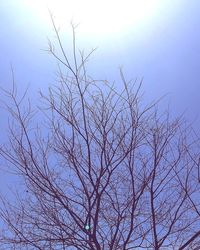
(165, 51)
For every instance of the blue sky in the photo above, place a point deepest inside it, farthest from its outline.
(164, 49)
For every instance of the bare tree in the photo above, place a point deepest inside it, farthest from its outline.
(102, 171)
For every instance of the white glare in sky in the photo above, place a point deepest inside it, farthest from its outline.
(100, 17)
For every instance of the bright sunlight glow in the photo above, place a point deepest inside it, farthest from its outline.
(103, 18)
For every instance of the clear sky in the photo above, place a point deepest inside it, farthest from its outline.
(161, 44)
